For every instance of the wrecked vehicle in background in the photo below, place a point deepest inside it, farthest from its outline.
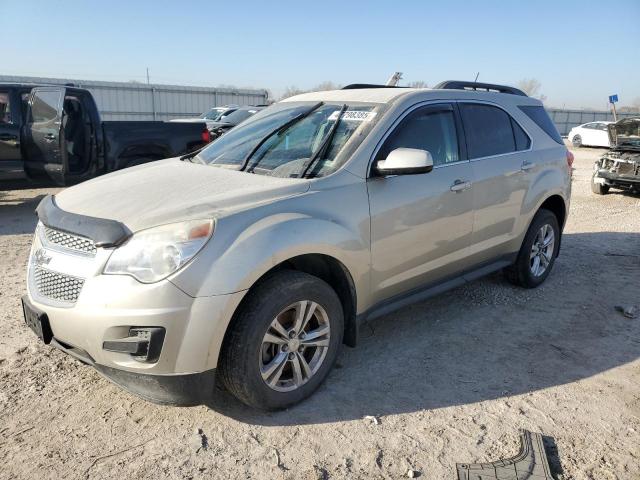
(620, 166)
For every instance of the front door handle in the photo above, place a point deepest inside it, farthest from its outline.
(5, 137)
(526, 166)
(460, 185)
(49, 137)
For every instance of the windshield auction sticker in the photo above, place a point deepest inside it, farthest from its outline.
(353, 115)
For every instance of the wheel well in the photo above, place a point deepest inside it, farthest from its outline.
(337, 276)
(555, 204)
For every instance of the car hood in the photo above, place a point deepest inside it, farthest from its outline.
(173, 190)
(625, 134)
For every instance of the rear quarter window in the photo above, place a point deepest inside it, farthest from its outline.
(539, 115)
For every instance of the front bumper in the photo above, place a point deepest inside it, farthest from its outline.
(614, 179)
(181, 389)
(110, 305)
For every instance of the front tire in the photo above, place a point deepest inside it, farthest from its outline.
(598, 188)
(283, 341)
(538, 251)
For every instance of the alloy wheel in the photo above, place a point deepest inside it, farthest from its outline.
(295, 346)
(542, 250)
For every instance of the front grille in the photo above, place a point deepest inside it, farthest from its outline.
(69, 241)
(57, 286)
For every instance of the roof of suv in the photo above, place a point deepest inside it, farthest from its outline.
(370, 95)
(389, 95)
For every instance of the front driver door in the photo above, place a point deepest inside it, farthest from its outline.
(421, 225)
(43, 132)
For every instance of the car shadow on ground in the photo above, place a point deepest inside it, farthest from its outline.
(483, 341)
(17, 212)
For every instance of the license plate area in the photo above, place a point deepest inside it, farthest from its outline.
(37, 321)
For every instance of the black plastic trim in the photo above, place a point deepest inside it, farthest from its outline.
(360, 86)
(465, 85)
(183, 390)
(432, 289)
(530, 462)
(104, 232)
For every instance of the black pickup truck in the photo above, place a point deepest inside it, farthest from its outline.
(56, 132)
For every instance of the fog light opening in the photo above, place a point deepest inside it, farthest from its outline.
(144, 344)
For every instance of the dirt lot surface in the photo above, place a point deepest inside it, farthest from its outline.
(449, 380)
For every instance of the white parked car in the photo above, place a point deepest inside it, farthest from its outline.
(592, 134)
(210, 117)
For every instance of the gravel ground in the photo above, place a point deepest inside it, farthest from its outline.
(448, 380)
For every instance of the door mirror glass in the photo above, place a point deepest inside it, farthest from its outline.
(405, 161)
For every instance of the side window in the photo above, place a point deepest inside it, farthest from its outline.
(488, 130)
(44, 107)
(601, 126)
(431, 128)
(24, 100)
(523, 142)
(5, 108)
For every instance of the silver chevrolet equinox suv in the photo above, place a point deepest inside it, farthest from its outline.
(254, 259)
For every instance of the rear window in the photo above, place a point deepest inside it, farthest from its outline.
(539, 115)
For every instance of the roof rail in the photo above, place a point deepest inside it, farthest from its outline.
(358, 86)
(488, 87)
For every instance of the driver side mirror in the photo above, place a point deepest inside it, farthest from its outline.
(405, 161)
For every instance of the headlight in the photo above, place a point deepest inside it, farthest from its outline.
(153, 254)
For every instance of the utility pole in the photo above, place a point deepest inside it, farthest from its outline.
(612, 100)
(147, 75)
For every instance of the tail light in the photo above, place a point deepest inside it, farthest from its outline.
(570, 159)
(205, 136)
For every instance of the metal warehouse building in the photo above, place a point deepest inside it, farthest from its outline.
(141, 101)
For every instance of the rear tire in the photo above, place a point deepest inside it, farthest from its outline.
(535, 261)
(254, 352)
(576, 141)
(599, 188)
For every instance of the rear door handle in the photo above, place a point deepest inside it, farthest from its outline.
(527, 166)
(49, 137)
(5, 137)
(460, 185)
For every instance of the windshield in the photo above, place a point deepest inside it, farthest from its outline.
(287, 153)
(214, 114)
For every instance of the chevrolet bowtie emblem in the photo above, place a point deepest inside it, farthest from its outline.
(41, 258)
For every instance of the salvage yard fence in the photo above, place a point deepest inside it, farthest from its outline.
(142, 101)
(565, 120)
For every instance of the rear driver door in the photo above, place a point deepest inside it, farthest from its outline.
(43, 132)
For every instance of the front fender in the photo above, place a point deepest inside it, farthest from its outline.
(248, 244)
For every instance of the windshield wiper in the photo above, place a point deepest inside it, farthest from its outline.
(191, 155)
(277, 131)
(322, 150)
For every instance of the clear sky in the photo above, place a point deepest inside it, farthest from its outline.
(580, 51)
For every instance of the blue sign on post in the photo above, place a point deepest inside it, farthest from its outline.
(613, 98)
